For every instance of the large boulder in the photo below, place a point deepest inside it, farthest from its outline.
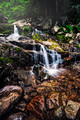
(9, 95)
(71, 109)
(22, 23)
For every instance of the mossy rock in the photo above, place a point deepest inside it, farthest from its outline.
(6, 29)
(36, 36)
(55, 46)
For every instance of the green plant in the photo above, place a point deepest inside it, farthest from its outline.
(63, 39)
(5, 60)
(36, 36)
(17, 49)
(27, 28)
(70, 28)
(60, 37)
(78, 46)
(78, 27)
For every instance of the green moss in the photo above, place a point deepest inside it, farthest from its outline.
(5, 60)
(36, 36)
(17, 49)
(60, 37)
(78, 46)
(53, 46)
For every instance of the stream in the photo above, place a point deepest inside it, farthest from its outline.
(41, 84)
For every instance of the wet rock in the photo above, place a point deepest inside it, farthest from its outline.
(9, 95)
(24, 77)
(47, 24)
(22, 23)
(37, 106)
(22, 74)
(68, 59)
(71, 109)
(64, 99)
(33, 94)
(16, 116)
(46, 84)
(59, 112)
(53, 101)
(40, 89)
(31, 117)
(21, 106)
(55, 29)
(40, 72)
(27, 98)
(28, 90)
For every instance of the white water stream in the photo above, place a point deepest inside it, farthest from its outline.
(50, 68)
(56, 60)
(15, 35)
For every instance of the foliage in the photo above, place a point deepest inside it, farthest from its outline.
(17, 49)
(70, 28)
(78, 46)
(63, 39)
(36, 36)
(78, 28)
(6, 29)
(16, 9)
(27, 28)
(5, 60)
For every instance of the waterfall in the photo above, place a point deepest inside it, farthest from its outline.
(56, 60)
(34, 54)
(50, 68)
(16, 30)
(44, 52)
(15, 35)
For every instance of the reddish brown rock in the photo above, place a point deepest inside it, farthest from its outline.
(37, 106)
(9, 95)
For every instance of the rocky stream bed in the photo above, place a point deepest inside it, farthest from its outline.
(39, 96)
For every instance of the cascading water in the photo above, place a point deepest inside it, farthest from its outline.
(43, 53)
(34, 55)
(52, 69)
(45, 56)
(16, 30)
(56, 60)
(15, 35)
